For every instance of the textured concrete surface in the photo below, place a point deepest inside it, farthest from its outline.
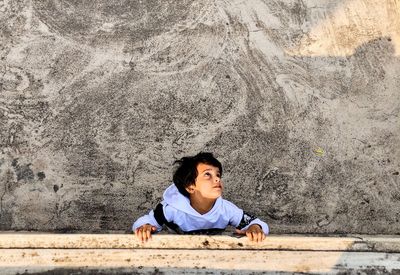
(299, 100)
(27, 253)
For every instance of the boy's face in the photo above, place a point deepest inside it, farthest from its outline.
(208, 182)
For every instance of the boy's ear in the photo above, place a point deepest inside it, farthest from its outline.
(190, 189)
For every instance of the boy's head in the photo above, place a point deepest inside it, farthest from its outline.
(186, 173)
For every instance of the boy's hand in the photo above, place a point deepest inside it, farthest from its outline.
(254, 233)
(143, 233)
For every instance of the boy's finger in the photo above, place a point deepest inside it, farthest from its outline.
(140, 237)
(255, 235)
(148, 233)
(249, 235)
(260, 236)
(137, 233)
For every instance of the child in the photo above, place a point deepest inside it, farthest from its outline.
(193, 204)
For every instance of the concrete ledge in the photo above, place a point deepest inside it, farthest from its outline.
(166, 241)
(198, 254)
(229, 261)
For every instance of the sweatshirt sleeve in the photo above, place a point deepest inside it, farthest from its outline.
(247, 220)
(242, 220)
(149, 218)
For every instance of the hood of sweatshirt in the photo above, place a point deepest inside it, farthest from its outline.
(174, 198)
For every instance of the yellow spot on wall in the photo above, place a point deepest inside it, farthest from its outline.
(319, 152)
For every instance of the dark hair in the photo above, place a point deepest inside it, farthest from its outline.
(186, 173)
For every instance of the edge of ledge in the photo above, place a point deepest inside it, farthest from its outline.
(358, 243)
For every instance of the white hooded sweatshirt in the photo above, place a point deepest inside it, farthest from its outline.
(177, 211)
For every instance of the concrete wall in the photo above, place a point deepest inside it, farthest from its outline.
(298, 99)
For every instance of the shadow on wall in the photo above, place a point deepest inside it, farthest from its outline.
(350, 25)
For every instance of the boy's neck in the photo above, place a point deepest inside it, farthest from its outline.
(202, 205)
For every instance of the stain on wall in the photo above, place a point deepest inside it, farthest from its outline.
(297, 98)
